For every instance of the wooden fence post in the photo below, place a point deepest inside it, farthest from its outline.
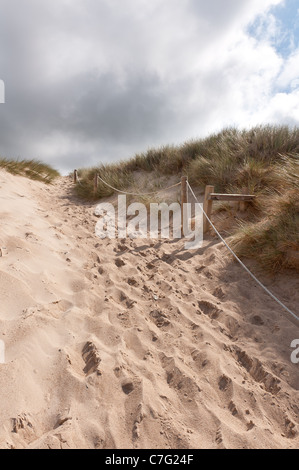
(95, 187)
(242, 205)
(207, 207)
(184, 200)
(75, 176)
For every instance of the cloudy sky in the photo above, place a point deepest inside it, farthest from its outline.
(90, 81)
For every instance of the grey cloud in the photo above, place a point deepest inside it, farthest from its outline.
(95, 80)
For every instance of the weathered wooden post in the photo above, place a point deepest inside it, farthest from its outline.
(95, 186)
(184, 200)
(207, 207)
(242, 205)
(75, 176)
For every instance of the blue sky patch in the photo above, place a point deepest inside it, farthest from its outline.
(281, 26)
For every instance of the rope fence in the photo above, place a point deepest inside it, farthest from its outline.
(241, 262)
(184, 196)
(137, 194)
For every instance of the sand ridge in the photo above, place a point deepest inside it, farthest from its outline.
(134, 343)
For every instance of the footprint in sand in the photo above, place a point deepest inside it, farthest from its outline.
(140, 415)
(132, 387)
(224, 383)
(257, 320)
(232, 408)
(250, 425)
(121, 248)
(218, 292)
(159, 318)
(120, 296)
(31, 236)
(290, 429)
(257, 371)
(200, 359)
(176, 379)
(62, 419)
(127, 386)
(209, 309)
(119, 263)
(132, 281)
(219, 439)
(23, 425)
(91, 358)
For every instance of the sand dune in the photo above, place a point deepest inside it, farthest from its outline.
(134, 343)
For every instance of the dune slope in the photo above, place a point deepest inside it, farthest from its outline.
(134, 343)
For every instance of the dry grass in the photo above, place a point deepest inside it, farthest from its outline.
(263, 160)
(32, 169)
(274, 238)
(115, 175)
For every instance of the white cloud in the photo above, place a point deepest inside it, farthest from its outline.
(290, 73)
(104, 78)
(282, 107)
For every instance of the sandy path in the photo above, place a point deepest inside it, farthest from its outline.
(134, 344)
